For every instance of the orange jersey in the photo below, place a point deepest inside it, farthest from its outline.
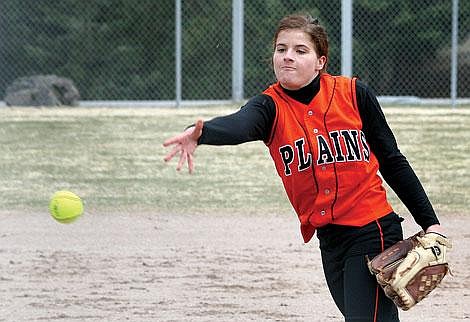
(329, 173)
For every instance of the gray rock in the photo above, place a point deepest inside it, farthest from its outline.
(42, 90)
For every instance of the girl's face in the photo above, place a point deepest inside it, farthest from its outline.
(295, 60)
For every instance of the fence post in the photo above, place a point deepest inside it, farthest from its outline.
(454, 52)
(346, 37)
(237, 50)
(177, 53)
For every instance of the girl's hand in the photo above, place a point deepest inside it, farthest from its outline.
(435, 229)
(185, 144)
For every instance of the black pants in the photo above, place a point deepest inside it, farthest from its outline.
(354, 290)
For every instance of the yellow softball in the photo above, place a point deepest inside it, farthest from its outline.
(65, 206)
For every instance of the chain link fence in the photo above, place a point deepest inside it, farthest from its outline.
(406, 49)
(125, 50)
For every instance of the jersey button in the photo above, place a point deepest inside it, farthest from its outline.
(310, 113)
(323, 212)
(323, 168)
(315, 130)
(327, 191)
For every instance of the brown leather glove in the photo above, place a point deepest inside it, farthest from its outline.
(409, 270)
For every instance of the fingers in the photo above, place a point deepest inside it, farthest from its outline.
(185, 144)
(190, 163)
(183, 158)
(173, 152)
(197, 129)
(173, 140)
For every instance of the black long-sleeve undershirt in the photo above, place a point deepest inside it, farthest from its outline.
(254, 122)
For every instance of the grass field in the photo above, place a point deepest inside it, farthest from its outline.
(157, 245)
(113, 158)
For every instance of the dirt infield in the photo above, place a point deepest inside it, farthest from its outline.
(156, 267)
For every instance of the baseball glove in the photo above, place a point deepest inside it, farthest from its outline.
(409, 270)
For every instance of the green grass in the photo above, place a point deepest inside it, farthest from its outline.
(436, 142)
(113, 158)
